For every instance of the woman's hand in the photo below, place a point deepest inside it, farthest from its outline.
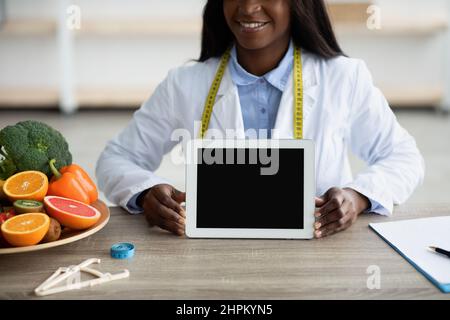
(162, 208)
(337, 210)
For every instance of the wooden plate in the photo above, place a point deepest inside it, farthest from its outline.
(68, 236)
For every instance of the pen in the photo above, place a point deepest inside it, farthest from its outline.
(441, 251)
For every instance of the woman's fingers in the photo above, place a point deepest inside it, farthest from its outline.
(168, 201)
(165, 221)
(163, 216)
(334, 215)
(183, 212)
(178, 196)
(171, 226)
(170, 215)
(337, 220)
(319, 202)
(334, 198)
(332, 228)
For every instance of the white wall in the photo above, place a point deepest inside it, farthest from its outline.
(99, 61)
(142, 61)
(411, 60)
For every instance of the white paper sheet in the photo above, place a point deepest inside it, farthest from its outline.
(413, 237)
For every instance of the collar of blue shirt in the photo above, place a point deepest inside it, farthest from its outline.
(277, 77)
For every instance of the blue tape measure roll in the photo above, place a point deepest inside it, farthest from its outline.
(122, 250)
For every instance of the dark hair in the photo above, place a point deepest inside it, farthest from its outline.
(310, 29)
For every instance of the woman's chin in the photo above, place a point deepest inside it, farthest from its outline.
(252, 43)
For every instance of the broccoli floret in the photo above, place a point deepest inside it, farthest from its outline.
(30, 145)
(7, 167)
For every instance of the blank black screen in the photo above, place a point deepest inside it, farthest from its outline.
(238, 196)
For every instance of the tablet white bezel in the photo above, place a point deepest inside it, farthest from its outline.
(191, 190)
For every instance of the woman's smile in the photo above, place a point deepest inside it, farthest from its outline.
(252, 26)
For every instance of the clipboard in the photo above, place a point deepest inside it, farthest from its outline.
(411, 239)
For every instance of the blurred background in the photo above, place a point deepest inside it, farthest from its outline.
(85, 66)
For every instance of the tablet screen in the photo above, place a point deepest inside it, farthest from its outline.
(252, 191)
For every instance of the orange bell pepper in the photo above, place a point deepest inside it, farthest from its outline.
(72, 182)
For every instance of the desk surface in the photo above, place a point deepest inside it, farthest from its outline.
(170, 267)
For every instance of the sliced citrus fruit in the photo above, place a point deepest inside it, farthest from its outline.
(25, 229)
(26, 185)
(71, 213)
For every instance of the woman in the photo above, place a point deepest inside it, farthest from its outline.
(341, 109)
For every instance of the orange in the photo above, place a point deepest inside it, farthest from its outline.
(71, 213)
(26, 229)
(26, 185)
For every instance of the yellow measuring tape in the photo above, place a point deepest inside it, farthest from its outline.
(298, 94)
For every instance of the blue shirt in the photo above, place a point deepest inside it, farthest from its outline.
(259, 97)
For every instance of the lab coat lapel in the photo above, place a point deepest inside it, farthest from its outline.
(227, 109)
(284, 124)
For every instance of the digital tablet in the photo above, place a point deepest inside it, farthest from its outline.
(250, 189)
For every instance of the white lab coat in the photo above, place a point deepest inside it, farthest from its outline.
(342, 109)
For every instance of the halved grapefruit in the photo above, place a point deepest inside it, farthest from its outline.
(71, 213)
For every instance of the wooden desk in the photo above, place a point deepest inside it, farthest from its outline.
(169, 267)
